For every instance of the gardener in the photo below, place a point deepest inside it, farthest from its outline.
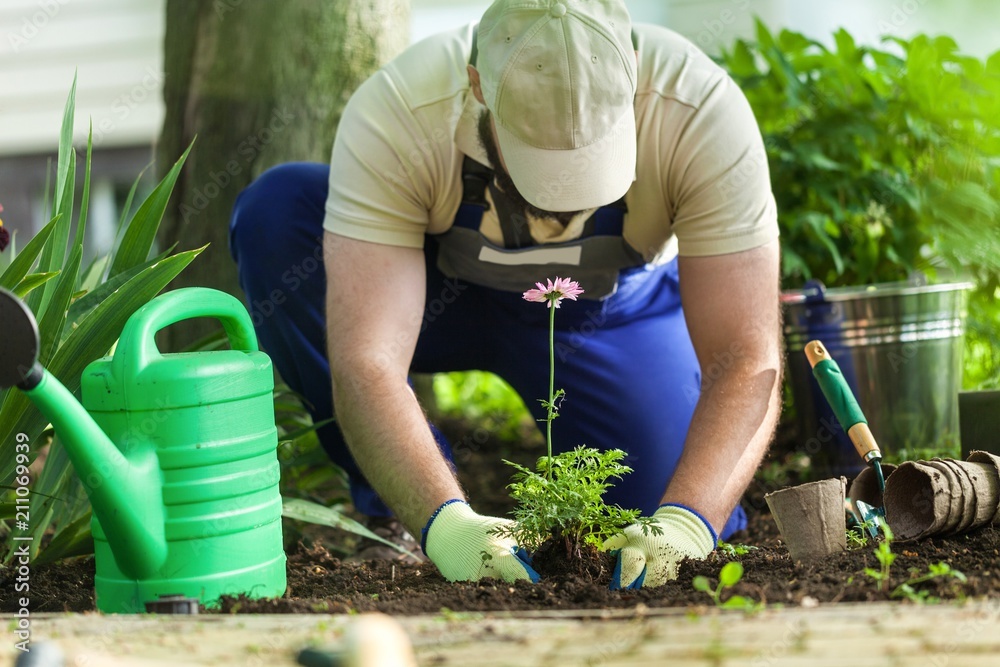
(556, 139)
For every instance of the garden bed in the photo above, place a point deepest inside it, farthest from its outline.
(320, 582)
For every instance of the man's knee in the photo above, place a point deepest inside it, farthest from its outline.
(279, 199)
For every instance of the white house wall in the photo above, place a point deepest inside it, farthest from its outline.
(116, 47)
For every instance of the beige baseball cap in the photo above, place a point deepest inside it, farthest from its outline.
(559, 77)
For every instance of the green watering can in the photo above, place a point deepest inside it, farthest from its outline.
(177, 452)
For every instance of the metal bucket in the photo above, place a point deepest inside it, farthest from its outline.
(900, 347)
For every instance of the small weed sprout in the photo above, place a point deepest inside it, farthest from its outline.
(908, 589)
(856, 539)
(734, 550)
(485, 557)
(730, 575)
(857, 536)
(883, 552)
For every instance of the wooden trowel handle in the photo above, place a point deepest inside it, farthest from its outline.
(838, 393)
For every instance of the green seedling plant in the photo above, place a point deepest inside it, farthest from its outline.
(857, 536)
(908, 590)
(734, 550)
(730, 575)
(562, 497)
(885, 557)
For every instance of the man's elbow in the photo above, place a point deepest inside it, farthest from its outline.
(363, 374)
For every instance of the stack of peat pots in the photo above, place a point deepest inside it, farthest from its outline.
(939, 497)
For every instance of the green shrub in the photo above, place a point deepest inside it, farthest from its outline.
(484, 398)
(882, 163)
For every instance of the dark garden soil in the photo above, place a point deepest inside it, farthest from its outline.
(320, 582)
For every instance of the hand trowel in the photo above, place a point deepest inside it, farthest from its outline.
(845, 406)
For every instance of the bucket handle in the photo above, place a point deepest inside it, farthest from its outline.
(814, 291)
(137, 345)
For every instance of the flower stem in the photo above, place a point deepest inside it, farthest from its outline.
(552, 382)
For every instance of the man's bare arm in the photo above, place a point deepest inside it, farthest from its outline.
(731, 304)
(375, 303)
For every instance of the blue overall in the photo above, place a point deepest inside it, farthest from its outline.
(626, 362)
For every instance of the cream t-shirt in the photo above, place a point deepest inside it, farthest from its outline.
(702, 185)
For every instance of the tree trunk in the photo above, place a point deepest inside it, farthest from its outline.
(255, 83)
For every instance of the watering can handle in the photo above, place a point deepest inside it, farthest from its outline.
(137, 345)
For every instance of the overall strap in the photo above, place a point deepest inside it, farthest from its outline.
(475, 44)
(475, 179)
(513, 223)
(608, 220)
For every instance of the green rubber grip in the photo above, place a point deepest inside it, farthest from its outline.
(838, 393)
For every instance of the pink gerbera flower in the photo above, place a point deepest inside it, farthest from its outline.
(4, 234)
(554, 292)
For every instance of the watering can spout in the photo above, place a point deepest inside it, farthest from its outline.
(115, 483)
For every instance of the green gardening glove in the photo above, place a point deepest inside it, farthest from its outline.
(463, 546)
(653, 557)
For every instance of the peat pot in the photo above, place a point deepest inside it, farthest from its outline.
(899, 346)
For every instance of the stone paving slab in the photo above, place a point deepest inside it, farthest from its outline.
(859, 635)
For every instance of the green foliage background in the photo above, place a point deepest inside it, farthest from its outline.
(883, 162)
